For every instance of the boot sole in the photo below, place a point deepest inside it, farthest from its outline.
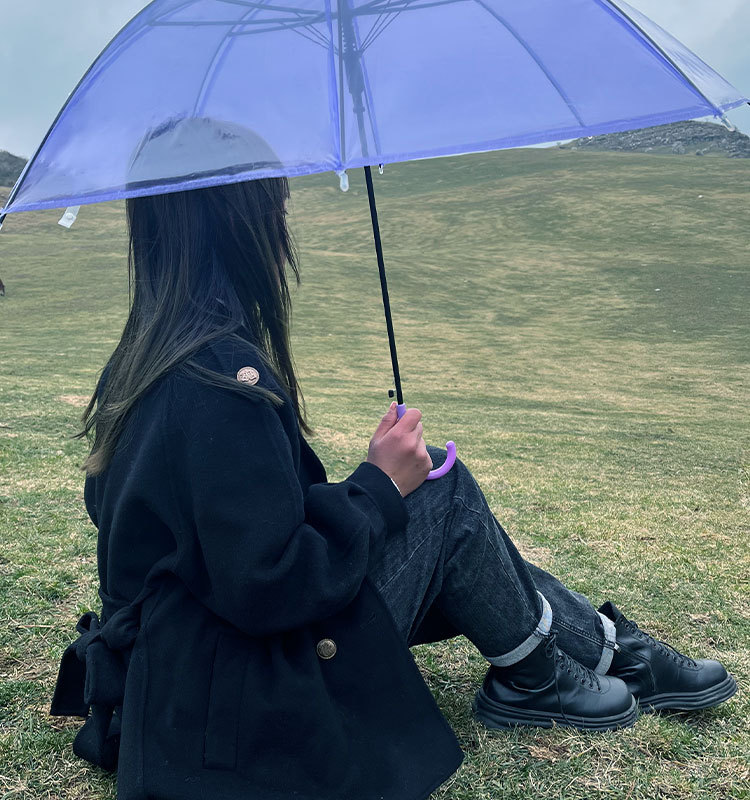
(497, 715)
(690, 701)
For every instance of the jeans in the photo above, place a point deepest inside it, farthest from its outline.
(456, 556)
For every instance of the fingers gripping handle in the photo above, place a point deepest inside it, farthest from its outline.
(450, 448)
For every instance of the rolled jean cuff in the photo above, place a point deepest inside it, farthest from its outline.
(608, 651)
(527, 645)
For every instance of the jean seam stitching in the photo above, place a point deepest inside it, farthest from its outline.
(458, 500)
(488, 540)
(535, 617)
(413, 552)
(484, 550)
(475, 511)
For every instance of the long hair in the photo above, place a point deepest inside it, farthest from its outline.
(202, 264)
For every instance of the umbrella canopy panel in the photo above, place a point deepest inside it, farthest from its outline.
(333, 84)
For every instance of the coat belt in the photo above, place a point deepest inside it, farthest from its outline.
(91, 682)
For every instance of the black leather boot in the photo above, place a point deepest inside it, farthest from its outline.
(547, 687)
(659, 676)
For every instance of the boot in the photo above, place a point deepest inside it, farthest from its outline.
(660, 677)
(547, 687)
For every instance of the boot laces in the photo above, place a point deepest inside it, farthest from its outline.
(586, 676)
(663, 647)
(571, 666)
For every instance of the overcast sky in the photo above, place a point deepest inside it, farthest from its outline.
(47, 45)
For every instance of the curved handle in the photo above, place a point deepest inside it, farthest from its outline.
(450, 448)
(447, 464)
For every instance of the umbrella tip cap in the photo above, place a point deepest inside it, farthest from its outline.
(343, 180)
(69, 217)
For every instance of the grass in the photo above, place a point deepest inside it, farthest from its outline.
(577, 322)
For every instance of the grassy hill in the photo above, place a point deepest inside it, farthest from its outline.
(576, 321)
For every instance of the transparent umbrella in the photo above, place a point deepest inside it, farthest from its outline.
(339, 84)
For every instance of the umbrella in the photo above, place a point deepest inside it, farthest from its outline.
(339, 84)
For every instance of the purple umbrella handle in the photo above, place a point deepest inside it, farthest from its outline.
(450, 447)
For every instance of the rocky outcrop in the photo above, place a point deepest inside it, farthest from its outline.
(10, 168)
(680, 138)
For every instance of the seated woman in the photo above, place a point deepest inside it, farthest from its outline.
(256, 619)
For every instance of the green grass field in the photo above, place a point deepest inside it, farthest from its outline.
(577, 322)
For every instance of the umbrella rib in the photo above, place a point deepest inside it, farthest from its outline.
(384, 10)
(310, 18)
(373, 33)
(316, 38)
(633, 25)
(281, 24)
(374, 25)
(228, 23)
(362, 89)
(301, 13)
(411, 5)
(369, 101)
(260, 5)
(171, 11)
(210, 70)
(537, 60)
(394, 8)
(335, 93)
(342, 126)
(320, 39)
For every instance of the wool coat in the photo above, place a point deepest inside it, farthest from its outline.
(241, 650)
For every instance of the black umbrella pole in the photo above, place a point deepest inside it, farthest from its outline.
(384, 286)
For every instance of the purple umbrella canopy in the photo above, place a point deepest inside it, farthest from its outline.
(335, 84)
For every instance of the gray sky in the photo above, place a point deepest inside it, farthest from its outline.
(46, 46)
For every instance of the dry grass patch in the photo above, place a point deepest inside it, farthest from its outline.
(75, 399)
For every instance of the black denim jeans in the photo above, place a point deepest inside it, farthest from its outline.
(456, 555)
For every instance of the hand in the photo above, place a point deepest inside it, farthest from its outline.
(397, 447)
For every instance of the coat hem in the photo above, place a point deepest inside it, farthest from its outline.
(441, 781)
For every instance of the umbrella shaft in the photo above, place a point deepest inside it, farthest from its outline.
(384, 286)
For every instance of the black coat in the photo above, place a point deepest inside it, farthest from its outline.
(244, 650)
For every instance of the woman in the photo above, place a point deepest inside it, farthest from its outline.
(256, 620)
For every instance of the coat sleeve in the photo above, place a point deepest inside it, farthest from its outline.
(251, 546)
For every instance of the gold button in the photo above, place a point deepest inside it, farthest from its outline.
(248, 375)
(326, 648)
